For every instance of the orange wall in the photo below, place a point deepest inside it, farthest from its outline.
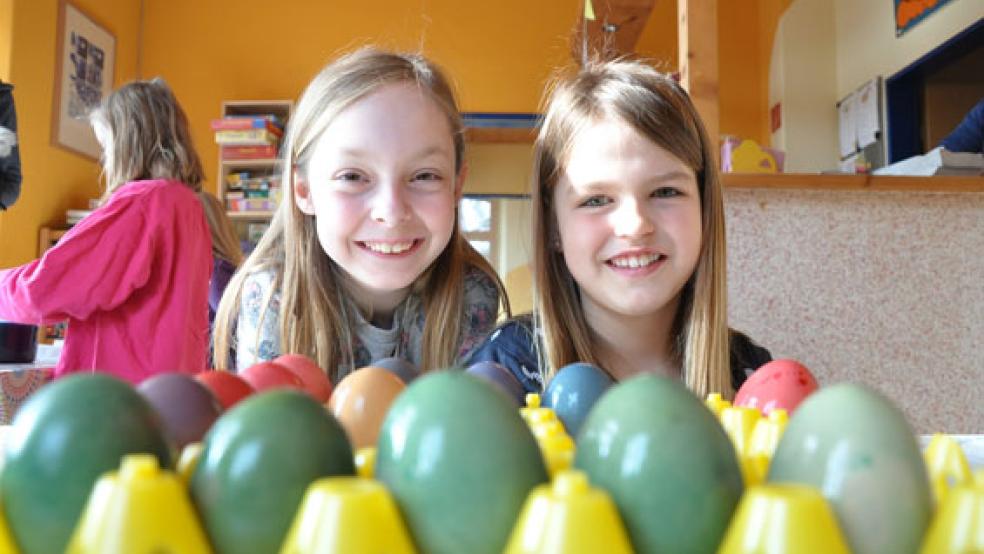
(499, 53)
(54, 179)
(742, 72)
(6, 25)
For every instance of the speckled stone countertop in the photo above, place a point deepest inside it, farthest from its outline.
(884, 288)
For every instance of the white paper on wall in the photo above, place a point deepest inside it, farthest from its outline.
(848, 125)
(866, 121)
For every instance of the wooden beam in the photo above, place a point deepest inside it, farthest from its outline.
(616, 28)
(698, 41)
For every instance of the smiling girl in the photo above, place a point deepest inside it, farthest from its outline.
(365, 260)
(629, 259)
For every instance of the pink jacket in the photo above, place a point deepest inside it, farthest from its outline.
(132, 281)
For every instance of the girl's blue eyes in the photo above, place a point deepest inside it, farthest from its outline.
(666, 192)
(352, 177)
(596, 202)
(599, 201)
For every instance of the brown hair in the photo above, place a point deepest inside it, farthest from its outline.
(225, 240)
(311, 316)
(150, 137)
(659, 109)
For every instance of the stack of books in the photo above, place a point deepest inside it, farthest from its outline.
(248, 137)
(252, 191)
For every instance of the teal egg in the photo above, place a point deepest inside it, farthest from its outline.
(257, 461)
(855, 446)
(666, 462)
(459, 461)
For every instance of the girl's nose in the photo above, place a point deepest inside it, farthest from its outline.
(389, 204)
(631, 220)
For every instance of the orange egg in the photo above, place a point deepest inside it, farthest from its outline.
(361, 400)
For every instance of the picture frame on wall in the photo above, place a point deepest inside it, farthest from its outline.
(84, 70)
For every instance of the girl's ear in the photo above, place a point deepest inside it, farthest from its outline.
(302, 193)
(459, 182)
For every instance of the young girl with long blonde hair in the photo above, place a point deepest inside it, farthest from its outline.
(132, 278)
(629, 248)
(364, 259)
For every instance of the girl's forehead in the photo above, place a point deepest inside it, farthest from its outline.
(610, 145)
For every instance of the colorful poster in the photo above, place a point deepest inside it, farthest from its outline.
(908, 13)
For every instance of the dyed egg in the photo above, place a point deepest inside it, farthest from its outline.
(665, 461)
(256, 463)
(459, 461)
(62, 440)
(777, 384)
(270, 375)
(186, 406)
(573, 391)
(402, 368)
(855, 446)
(315, 380)
(361, 400)
(502, 378)
(227, 387)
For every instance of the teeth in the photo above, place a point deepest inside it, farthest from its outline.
(389, 247)
(635, 261)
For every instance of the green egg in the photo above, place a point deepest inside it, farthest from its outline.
(257, 461)
(459, 461)
(856, 447)
(62, 440)
(666, 462)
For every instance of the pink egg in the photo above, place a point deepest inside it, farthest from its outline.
(777, 384)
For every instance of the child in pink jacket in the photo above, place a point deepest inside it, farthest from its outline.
(132, 278)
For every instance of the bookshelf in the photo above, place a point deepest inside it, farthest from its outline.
(250, 220)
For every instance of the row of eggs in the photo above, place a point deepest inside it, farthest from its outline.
(459, 461)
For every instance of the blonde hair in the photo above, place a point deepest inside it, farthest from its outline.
(225, 240)
(659, 109)
(311, 314)
(150, 137)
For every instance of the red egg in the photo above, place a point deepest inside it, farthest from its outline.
(228, 387)
(266, 376)
(316, 382)
(777, 384)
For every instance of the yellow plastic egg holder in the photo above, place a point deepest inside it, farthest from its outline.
(139, 508)
(555, 444)
(568, 516)
(347, 514)
(783, 518)
(946, 465)
(753, 435)
(6, 539)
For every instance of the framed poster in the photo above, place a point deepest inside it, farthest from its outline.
(84, 66)
(908, 13)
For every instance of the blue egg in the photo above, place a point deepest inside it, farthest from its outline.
(573, 391)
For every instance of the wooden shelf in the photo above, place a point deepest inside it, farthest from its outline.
(248, 216)
(500, 134)
(246, 164)
(806, 181)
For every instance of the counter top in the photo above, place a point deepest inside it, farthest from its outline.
(941, 183)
